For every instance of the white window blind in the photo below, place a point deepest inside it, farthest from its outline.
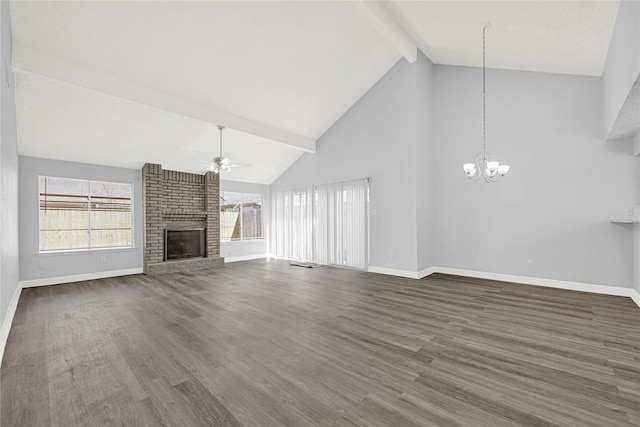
(325, 223)
(240, 216)
(82, 214)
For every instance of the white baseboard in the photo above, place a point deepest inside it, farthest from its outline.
(244, 258)
(77, 277)
(402, 273)
(8, 319)
(270, 256)
(426, 272)
(635, 296)
(550, 283)
(393, 272)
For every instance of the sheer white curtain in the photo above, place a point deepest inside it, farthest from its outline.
(325, 223)
(341, 224)
(293, 234)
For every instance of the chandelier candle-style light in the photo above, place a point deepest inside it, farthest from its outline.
(486, 166)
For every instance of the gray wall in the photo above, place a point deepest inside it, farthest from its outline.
(636, 261)
(636, 234)
(249, 247)
(565, 184)
(9, 270)
(415, 128)
(38, 266)
(378, 138)
(623, 62)
(425, 163)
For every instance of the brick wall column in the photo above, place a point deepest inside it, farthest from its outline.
(212, 208)
(152, 188)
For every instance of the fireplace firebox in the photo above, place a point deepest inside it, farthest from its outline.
(182, 244)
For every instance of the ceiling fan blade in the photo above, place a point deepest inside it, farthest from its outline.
(240, 165)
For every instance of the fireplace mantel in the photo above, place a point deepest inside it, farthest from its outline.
(184, 215)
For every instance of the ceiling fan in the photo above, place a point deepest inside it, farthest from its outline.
(224, 164)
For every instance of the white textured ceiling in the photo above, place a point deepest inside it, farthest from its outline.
(296, 66)
(81, 125)
(291, 66)
(153, 78)
(628, 121)
(569, 37)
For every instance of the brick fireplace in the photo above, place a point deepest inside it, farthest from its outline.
(180, 203)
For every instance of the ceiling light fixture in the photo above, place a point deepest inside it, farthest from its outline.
(221, 163)
(492, 170)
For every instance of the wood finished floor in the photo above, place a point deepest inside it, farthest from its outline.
(261, 343)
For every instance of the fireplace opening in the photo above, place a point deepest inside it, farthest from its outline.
(181, 244)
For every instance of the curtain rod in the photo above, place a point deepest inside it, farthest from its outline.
(366, 178)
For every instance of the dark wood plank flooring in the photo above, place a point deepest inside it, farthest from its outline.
(261, 343)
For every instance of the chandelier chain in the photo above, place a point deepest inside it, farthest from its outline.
(484, 94)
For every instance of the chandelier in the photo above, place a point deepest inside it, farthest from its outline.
(485, 165)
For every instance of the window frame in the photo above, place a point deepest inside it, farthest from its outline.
(242, 237)
(89, 249)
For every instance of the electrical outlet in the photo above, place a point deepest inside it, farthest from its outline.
(40, 266)
(103, 259)
(529, 263)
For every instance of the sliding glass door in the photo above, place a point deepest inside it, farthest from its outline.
(327, 223)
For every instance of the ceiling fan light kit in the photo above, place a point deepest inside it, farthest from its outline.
(485, 165)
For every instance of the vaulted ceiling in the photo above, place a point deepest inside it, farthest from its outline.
(124, 83)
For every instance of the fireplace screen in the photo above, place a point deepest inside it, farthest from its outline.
(180, 244)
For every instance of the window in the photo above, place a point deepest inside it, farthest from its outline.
(82, 214)
(240, 216)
